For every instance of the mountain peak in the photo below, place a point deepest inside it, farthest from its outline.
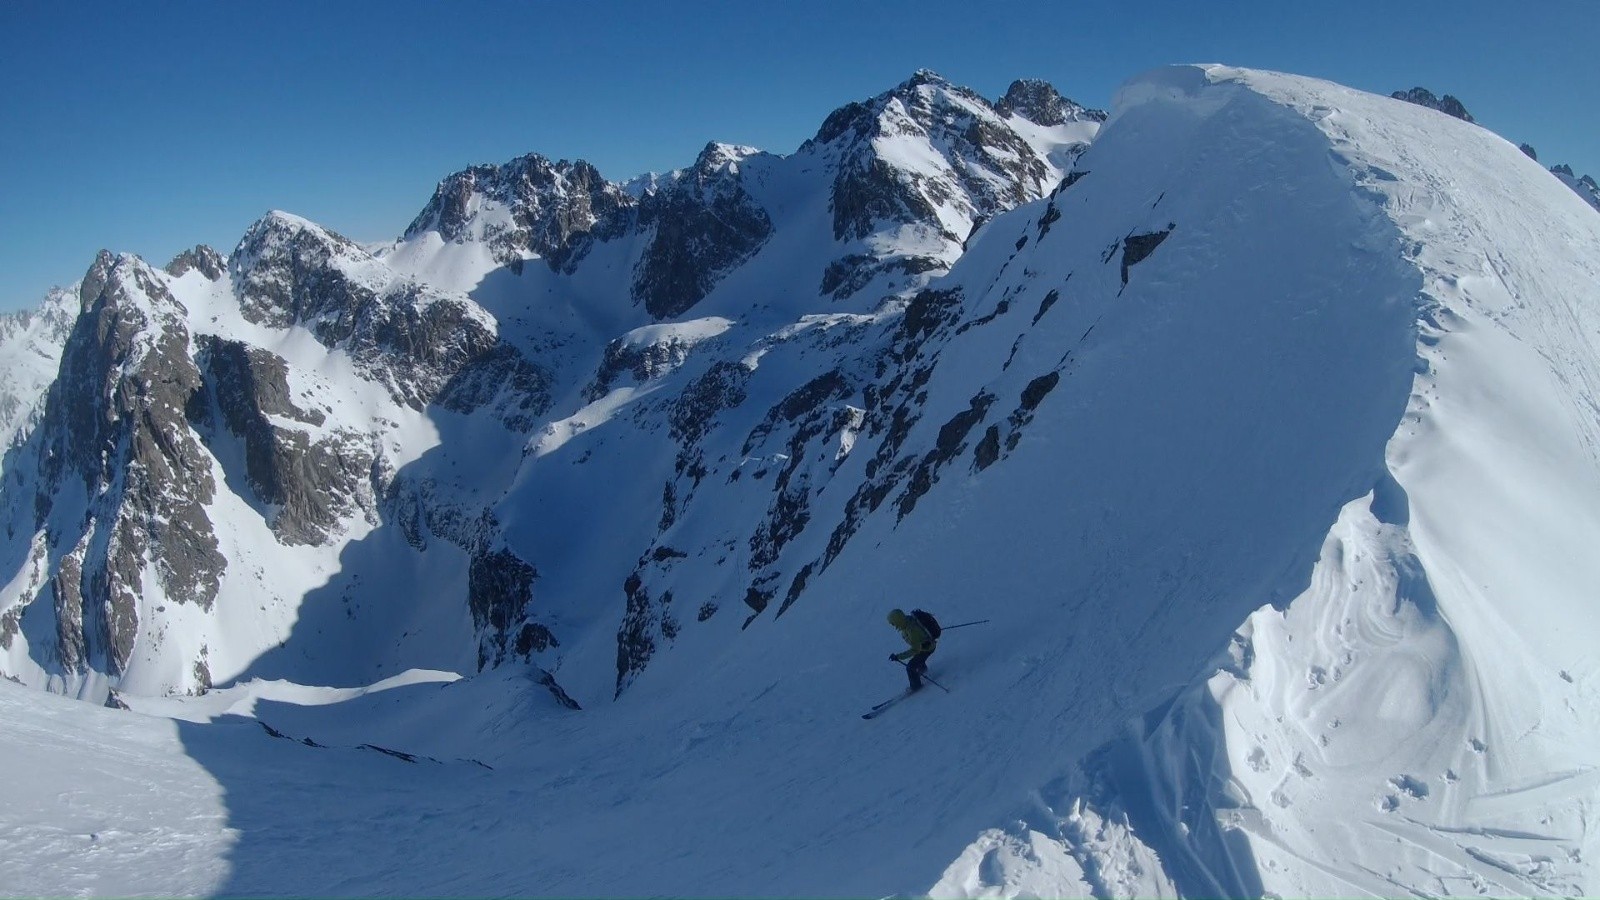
(1039, 102)
(717, 155)
(278, 229)
(528, 206)
(924, 76)
(922, 98)
(203, 258)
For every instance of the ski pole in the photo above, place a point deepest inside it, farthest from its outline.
(927, 678)
(963, 624)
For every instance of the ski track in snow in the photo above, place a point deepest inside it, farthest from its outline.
(1287, 573)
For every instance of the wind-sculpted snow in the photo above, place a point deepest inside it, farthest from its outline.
(1411, 721)
(1265, 444)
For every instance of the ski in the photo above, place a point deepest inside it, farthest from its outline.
(879, 709)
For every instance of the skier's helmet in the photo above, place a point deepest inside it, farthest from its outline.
(897, 618)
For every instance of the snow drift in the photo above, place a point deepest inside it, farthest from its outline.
(1266, 442)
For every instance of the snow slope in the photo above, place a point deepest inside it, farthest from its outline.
(1267, 446)
(1421, 717)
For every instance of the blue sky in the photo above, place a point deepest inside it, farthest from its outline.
(152, 127)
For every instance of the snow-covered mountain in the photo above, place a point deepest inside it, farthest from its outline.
(1258, 422)
(1584, 185)
(30, 355)
(217, 420)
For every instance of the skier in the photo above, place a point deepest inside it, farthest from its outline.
(921, 632)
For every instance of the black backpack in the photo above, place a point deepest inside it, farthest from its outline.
(928, 623)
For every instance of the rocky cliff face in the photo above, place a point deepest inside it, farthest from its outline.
(1039, 102)
(208, 262)
(160, 416)
(527, 207)
(307, 482)
(701, 225)
(124, 484)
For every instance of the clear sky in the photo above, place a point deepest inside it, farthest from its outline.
(151, 127)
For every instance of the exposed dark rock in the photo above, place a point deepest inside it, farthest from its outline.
(552, 207)
(1048, 218)
(1037, 389)
(852, 118)
(720, 387)
(991, 167)
(1000, 309)
(499, 589)
(202, 677)
(841, 273)
(1032, 396)
(1583, 186)
(864, 196)
(114, 422)
(203, 259)
(846, 277)
(251, 378)
(669, 506)
(642, 362)
(950, 443)
(803, 400)
(502, 380)
(308, 484)
(556, 691)
(1528, 150)
(1136, 248)
(397, 754)
(1039, 102)
(988, 449)
(786, 518)
(701, 227)
(66, 590)
(635, 643)
(1045, 304)
(756, 599)
(1447, 104)
(929, 310)
(534, 638)
(412, 339)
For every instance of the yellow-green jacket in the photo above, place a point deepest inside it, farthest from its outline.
(915, 635)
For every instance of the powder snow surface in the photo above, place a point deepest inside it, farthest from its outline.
(1290, 585)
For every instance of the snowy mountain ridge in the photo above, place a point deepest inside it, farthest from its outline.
(1584, 185)
(1262, 433)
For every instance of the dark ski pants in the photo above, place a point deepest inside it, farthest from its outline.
(915, 667)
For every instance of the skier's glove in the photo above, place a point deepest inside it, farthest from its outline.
(894, 657)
